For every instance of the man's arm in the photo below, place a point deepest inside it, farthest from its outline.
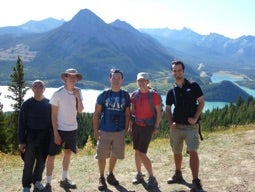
(201, 103)
(127, 118)
(158, 116)
(96, 118)
(54, 115)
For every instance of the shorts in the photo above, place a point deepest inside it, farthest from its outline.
(69, 139)
(187, 133)
(141, 137)
(111, 142)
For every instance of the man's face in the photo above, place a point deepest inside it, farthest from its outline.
(142, 83)
(116, 80)
(177, 72)
(71, 79)
(38, 88)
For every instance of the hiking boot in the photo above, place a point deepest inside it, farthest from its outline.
(67, 184)
(152, 183)
(177, 178)
(102, 185)
(38, 187)
(138, 179)
(196, 186)
(26, 189)
(47, 188)
(112, 180)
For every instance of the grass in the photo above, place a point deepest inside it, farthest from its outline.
(226, 164)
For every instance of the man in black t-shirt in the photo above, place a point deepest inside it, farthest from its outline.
(188, 101)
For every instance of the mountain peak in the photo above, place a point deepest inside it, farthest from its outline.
(85, 16)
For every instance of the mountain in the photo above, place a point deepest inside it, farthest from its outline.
(214, 51)
(87, 43)
(32, 27)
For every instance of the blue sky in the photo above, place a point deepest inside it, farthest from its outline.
(231, 18)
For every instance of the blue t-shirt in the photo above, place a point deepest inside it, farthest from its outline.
(113, 105)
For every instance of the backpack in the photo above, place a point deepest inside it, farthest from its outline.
(151, 92)
(193, 105)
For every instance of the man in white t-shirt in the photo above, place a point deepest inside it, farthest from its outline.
(66, 102)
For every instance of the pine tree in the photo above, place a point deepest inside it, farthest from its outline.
(17, 87)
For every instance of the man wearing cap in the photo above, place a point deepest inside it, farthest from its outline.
(145, 122)
(33, 135)
(66, 102)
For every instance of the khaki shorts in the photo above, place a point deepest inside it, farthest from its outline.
(187, 133)
(111, 142)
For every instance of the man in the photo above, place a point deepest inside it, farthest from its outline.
(110, 122)
(66, 102)
(33, 135)
(189, 102)
(145, 121)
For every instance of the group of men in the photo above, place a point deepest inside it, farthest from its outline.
(45, 125)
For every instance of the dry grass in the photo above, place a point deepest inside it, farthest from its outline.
(226, 165)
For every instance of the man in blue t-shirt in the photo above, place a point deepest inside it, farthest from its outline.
(110, 122)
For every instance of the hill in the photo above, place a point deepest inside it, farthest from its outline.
(226, 165)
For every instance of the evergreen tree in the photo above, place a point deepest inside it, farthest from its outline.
(17, 87)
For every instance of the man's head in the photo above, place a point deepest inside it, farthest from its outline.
(38, 84)
(38, 88)
(177, 69)
(143, 76)
(177, 62)
(143, 80)
(113, 71)
(116, 79)
(71, 77)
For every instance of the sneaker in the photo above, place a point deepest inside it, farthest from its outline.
(102, 184)
(26, 189)
(196, 186)
(152, 183)
(112, 180)
(47, 188)
(138, 179)
(67, 184)
(177, 178)
(38, 187)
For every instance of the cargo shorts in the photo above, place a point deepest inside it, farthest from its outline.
(181, 133)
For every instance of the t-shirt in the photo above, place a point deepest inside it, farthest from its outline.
(67, 112)
(185, 101)
(113, 110)
(142, 106)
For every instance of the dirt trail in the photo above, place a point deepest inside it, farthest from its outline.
(227, 164)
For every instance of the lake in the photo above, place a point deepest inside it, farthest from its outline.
(89, 99)
(90, 95)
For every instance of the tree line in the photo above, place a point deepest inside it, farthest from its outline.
(239, 113)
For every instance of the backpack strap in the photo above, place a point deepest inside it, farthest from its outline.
(151, 91)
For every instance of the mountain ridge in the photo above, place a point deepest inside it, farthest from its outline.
(92, 46)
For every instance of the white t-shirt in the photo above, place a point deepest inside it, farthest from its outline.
(67, 112)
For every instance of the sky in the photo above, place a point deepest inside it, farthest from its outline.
(231, 18)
